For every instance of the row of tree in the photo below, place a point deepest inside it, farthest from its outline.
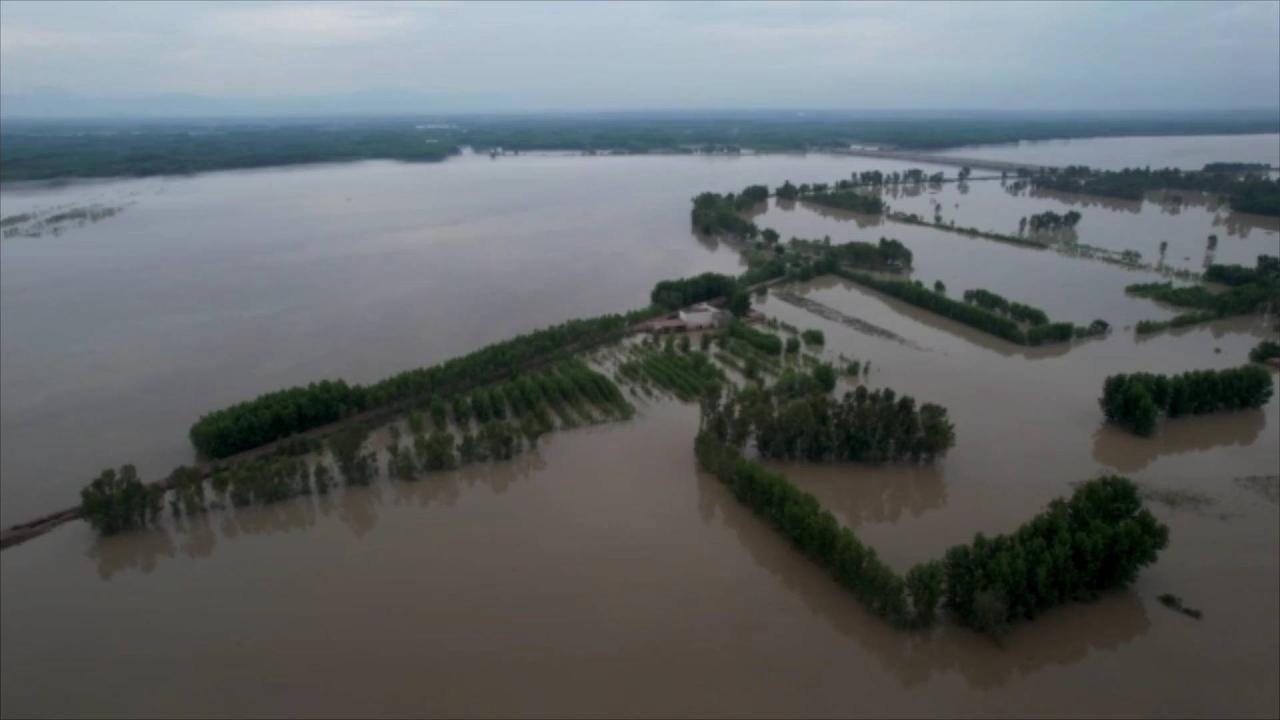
(764, 342)
(935, 302)
(279, 414)
(1012, 309)
(849, 200)
(1135, 400)
(886, 255)
(816, 532)
(688, 375)
(1098, 539)
(974, 313)
(509, 414)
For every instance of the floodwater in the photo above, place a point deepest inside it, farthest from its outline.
(1116, 225)
(212, 289)
(602, 574)
(1117, 153)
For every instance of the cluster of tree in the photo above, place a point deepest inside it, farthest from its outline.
(673, 294)
(1246, 190)
(1098, 539)
(814, 336)
(1012, 309)
(849, 200)
(265, 480)
(116, 501)
(688, 375)
(277, 415)
(798, 419)
(887, 255)
(764, 342)
(1049, 221)
(1264, 351)
(1135, 400)
(1249, 291)
(1266, 271)
(714, 214)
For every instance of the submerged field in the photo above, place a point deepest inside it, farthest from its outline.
(600, 573)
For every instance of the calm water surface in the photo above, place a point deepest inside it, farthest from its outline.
(601, 574)
(1187, 153)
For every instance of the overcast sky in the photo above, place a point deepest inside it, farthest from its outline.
(628, 56)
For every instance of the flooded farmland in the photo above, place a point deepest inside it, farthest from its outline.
(600, 574)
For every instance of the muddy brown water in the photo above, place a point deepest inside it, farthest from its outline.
(602, 574)
(1187, 153)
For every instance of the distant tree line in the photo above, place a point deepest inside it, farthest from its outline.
(1247, 190)
(1136, 400)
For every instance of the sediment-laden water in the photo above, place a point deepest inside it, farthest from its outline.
(600, 574)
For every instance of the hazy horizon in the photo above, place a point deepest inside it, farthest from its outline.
(242, 59)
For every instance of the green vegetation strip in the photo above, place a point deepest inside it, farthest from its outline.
(1096, 540)
(1136, 400)
(509, 417)
(1248, 290)
(1246, 187)
(1041, 332)
(279, 414)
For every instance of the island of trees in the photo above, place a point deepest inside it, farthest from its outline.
(1136, 400)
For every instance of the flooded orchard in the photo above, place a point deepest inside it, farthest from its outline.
(600, 573)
